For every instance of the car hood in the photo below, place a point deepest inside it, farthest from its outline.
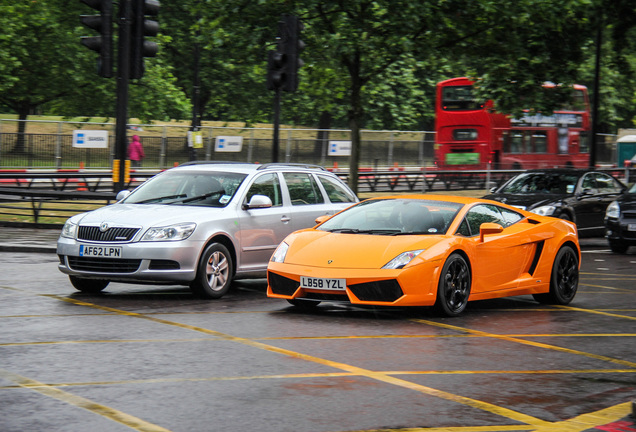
(146, 215)
(628, 202)
(317, 248)
(529, 201)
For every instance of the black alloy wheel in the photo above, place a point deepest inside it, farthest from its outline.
(564, 280)
(454, 286)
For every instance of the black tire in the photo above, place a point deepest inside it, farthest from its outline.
(92, 286)
(618, 246)
(302, 303)
(565, 216)
(454, 285)
(564, 280)
(214, 273)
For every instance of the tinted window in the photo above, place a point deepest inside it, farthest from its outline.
(336, 192)
(268, 185)
(607, 184)
(303, 189)
(481, 214)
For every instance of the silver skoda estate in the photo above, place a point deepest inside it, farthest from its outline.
(199, 224)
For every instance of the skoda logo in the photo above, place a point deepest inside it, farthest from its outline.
(103, 227)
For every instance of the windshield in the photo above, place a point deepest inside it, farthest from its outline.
(459, 98)
(394, 217)
(541, 182)
(211, 189)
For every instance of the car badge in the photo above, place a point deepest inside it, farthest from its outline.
(103, 227)
(329, 261)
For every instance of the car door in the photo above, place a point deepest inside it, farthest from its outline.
(596, 191)
(261, 230)
(306, 198)
(500, 259)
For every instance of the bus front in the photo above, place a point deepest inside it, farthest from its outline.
(468, 132)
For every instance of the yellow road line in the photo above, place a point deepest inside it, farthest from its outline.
(78, 401)
(527, 342)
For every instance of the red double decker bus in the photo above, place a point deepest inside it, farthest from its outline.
(471, 135)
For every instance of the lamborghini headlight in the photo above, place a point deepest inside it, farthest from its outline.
(402, 259)
(169, 233)
(280, 253)
(547, 210)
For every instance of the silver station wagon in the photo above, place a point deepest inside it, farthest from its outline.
(199, 224)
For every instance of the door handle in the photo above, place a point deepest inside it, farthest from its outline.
(285, 219)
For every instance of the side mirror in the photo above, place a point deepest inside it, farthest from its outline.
(122, 194)
(489, 228)
(321, 219)
(493, 189)
(258, 201)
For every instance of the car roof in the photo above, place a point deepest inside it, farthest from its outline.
(444, 198)
(245, 167)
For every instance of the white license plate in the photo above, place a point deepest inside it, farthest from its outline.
(631, 227)
(100, 251)
(324, 284)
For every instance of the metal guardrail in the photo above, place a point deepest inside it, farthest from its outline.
(57, 195)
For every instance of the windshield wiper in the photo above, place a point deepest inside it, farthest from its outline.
(363, 231)
(200, 197)
(158, 199)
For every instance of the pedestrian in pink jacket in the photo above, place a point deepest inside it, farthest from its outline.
(135, 152)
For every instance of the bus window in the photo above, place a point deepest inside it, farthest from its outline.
(540, 141)
(516, 142)
(459, 98)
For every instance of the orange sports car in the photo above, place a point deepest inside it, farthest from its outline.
(427, 250)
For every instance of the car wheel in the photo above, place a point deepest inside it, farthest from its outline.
(618, 246)
(565, 216)
(564, 280)
(453, 288)
(305, 304)
(214, 273)
(88, 285)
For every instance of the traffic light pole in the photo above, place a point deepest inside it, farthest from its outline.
(123, 75)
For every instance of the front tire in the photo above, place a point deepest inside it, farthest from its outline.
(618, 246)
(454, 285)
(91, 286)
(214, 273)
(564, 280)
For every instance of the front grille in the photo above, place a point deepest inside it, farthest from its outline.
(93, 233)
(163, 265)
(385, 290)
(282, 285)
(101, 265)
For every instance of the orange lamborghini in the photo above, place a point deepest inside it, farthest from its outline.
(427, 250)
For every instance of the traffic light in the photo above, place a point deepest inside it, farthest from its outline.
(294, 45)
(283, 63)
(141, 28)
(103, 43)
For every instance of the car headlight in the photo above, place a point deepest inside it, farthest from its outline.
(280, 253)
(547, 210)
(169, 233)
(402, 259)
(69, 229)
(613, 210)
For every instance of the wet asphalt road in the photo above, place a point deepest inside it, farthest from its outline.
(155, 359)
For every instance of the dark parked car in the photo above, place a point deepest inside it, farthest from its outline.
(620, 222)
(581, 196)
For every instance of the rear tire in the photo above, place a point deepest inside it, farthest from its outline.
(214, 273)
(564, 280)
(454, 285)
(92, 286)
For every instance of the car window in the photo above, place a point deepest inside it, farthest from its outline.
(510, 216)
(464, 229)
(268, 185)
(303, 189)
(481, 214)
(589, 182)
(336, 192)
(607, 184)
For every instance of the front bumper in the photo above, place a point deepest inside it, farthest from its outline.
(159, 262)
(412, 286)
(617, 230)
